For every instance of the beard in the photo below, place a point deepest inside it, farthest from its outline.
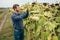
(17, 10)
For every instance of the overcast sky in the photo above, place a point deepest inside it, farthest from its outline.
(9, 3)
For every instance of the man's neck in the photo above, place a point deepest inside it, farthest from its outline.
(16, 12)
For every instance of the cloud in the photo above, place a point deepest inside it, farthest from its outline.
(9, 3)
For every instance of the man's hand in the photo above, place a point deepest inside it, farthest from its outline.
(27, 8)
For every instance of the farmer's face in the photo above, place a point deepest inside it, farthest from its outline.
(17, 8)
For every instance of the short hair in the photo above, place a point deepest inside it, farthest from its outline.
(14, 6)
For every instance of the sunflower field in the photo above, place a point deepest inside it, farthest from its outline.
(43, 22)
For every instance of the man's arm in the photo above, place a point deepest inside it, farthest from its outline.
(22, 16)
(16, 17)
(25, 14)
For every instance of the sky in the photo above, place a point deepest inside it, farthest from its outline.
(9, 3)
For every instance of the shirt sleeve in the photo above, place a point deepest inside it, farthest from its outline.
(25, 14)
(22, 16)
(16, 17)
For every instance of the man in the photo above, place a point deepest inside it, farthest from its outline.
(18, 23)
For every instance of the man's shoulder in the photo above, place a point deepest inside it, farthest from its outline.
(13, 14)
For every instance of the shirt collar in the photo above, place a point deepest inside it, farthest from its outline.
(16, 13)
